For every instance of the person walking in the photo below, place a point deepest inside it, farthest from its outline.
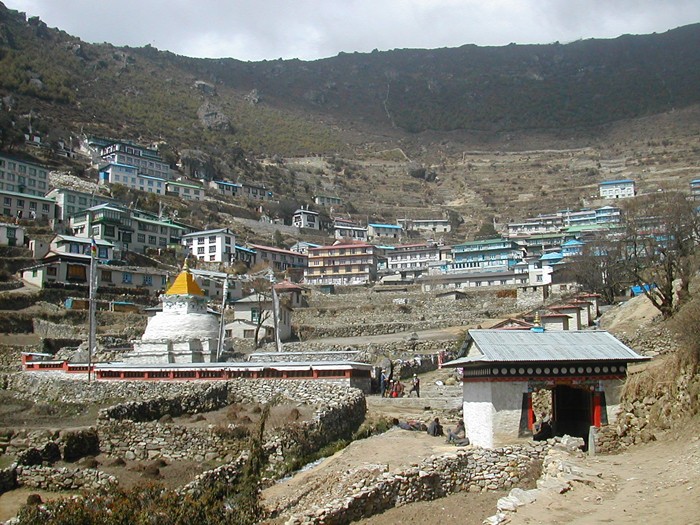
(415, 386)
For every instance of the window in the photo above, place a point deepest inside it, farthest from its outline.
(212, 238)
(248, 334)
(254, 315)
(200, 240)
(109, 231)
(212, 257)
(228, 240)
(45, 208)
(162, 241)
(200, 250)
(126, 237)
(140, 237)
(102, 252)
(126, 278)
(82, 201)
(20, 203)
(152, 239)
(51, 270)
(212, 249)
(106, 276)
(147, 280)
(76, 272)
(7, 201)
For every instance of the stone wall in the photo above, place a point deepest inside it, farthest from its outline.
(468, 470)
(58, 479)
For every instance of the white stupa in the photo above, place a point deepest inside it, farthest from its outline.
(183, 332)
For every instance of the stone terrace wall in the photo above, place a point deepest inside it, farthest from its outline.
(125, 429)
(473, 470)
(362, 312)
(57, 479)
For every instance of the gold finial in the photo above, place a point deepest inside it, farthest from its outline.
(537, 321)
(186, 266)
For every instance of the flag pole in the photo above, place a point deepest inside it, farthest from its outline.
(92, 306)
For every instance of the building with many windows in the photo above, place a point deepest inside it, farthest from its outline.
(211, 245)
(278, 259)
(130, 177)
(11, 235)
(224, 187)
(70, 202)
(411, 260)
(127, 229)
(384, 231)
(343, 263)
(325, 200)
(348, 230)
(425, 225)
(617, 189)
(486, 255)
(147, 161)
(306, 219)
(185, 190)
(26, 206)
(21, 176)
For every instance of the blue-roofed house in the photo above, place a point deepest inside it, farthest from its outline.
(486, 255)
(384, 231)
(617, 189)
(572, 248)
(583, 371)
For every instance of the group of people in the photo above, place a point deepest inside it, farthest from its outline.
(456, 436)
(395, 388)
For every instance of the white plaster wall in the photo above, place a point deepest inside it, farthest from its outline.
(478, 413)
(507, 405)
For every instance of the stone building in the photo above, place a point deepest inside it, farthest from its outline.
(583, 371)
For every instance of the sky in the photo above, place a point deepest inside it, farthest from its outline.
(311, 29)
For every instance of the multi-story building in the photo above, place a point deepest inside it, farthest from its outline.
(129, 230)
(617, 189)
(486, 255)
(130, 177)
(26, 206)
(184, 190)
(21, 176)
(145, 160)
(348, 230)
(695, 189)
(343, 263)
(384, 231)
(69, 202)
(425, 225)
(306, 219)
(303, 247)
(259, 193)
(211, 245)
(279, 260)
(411, 260)
(212, 284)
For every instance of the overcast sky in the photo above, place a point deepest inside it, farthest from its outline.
(311, 29)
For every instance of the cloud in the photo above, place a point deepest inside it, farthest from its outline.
(310, 29)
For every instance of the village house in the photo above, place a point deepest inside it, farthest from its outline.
(227, 188)
(581, 371)
(617, 189)
(695, 189)
(11, 235)
(410, 260)
(130, 177)
(184, 190)
(256, 193)
(212, 285)
(25, 206)
(327, 201)
(21, 176)
(383, 231)
(70, 202)
(256, 309)
(146, 161)
(211, 245)
(348, 230)
(425, 225)
(489, 255)
(343, 263)
(306, 219)
(303, 247)
(278, 259)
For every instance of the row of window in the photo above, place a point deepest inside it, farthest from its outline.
(22, 168)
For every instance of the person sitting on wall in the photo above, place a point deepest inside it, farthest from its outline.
(458, 436)
(543, 430)
(435, 428)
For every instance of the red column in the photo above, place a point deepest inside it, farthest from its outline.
(595, 398)
(530, 412)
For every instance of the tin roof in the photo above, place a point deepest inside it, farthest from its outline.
(555, 345)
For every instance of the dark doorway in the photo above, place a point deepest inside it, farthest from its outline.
(572, 411)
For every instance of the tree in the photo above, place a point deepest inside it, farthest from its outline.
(657, 248)
(598, 269)
(261, 292)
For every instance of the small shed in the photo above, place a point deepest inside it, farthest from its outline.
(584, 370)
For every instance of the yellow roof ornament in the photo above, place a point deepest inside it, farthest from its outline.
(184, 283)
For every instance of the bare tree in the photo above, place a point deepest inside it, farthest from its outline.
(657, 247)
(598, 269)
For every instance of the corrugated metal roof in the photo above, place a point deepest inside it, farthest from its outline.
(555, 345)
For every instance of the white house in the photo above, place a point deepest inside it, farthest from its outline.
(306, 219)
(384, 231)
(247, 314)
(21, 176)
(617, 189)
(211, 245)
(583, 370)
(184, 190)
